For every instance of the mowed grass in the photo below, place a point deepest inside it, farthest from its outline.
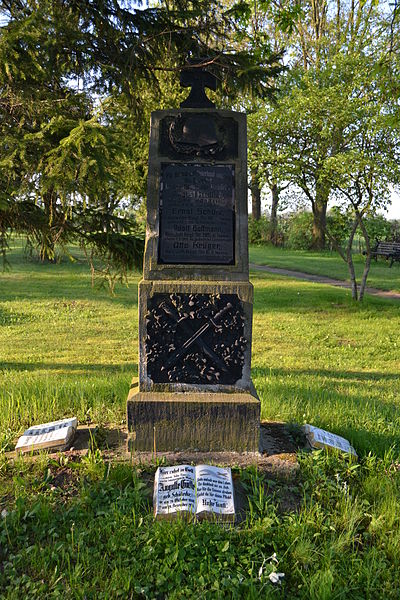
(328, 264)
(65, 348)
(318, 357)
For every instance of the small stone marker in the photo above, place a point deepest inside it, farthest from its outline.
(319, 438)
(56, 435)
(195, 298)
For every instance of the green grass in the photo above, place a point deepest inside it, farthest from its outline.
(328, 264)
(65, 347)
(318, 357)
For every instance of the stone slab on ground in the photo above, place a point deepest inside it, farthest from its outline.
(277, 454)
(276, 461)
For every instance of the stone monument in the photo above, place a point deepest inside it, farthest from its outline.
(195, 298)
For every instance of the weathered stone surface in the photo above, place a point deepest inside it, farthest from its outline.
(238, 294)
(195, 299)
(202, 338)
(198, 421)
(198, 135)
(161, 151)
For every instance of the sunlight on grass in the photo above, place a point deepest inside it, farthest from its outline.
(317, 356)
(327, 264)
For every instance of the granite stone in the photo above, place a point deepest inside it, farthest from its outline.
(195, 298)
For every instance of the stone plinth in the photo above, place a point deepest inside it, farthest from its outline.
(206, 422)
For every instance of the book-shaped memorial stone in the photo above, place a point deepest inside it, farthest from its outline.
(56, 435)
(319, 438)
(202, 492)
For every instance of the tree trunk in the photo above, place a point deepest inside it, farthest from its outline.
(319, 207)
(349, 260)
(255, 196)
(364, 276)
(353, 280)
(367, 258)
(274, 215)
(347, 257)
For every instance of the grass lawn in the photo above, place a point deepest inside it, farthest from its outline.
(317, 357)
(328, 264)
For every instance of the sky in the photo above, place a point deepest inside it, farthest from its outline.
(394, 209)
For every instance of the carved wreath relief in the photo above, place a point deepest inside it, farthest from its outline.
(198, 135)
(195, 338)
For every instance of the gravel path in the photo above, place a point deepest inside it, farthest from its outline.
(320, 279)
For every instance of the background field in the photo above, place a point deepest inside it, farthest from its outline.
(318, 357)
(328, 264)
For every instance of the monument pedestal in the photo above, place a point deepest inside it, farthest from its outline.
(207, 422)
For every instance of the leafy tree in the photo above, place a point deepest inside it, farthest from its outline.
(362, 177)
(299, 233)
(267, 148)
(259, 230)
(339, 58)
(78, 80)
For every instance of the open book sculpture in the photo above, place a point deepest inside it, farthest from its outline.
(57, 435)
(203, 492)
(319, 438)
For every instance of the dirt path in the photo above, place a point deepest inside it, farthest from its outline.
(321, 279)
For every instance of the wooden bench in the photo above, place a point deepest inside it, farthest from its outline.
(388, 250)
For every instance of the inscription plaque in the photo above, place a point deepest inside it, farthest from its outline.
(197, 214)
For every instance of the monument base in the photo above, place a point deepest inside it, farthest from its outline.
(162, 421)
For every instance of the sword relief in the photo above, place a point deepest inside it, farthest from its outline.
(202, 338)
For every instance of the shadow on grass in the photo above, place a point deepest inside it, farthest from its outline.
(32, 280)
(45, 366)
(309, 297)
(372, 441)
(58, 287)
(351, 376)
(368, 421)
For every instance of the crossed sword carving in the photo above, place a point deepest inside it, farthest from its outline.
(195, 338)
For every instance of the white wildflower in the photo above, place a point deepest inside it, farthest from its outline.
(273, 558)
(276, 577)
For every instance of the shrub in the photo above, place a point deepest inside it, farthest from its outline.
(339, 225)
(395, 230)
(259, 230)
(299, 233)
(378, 228)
